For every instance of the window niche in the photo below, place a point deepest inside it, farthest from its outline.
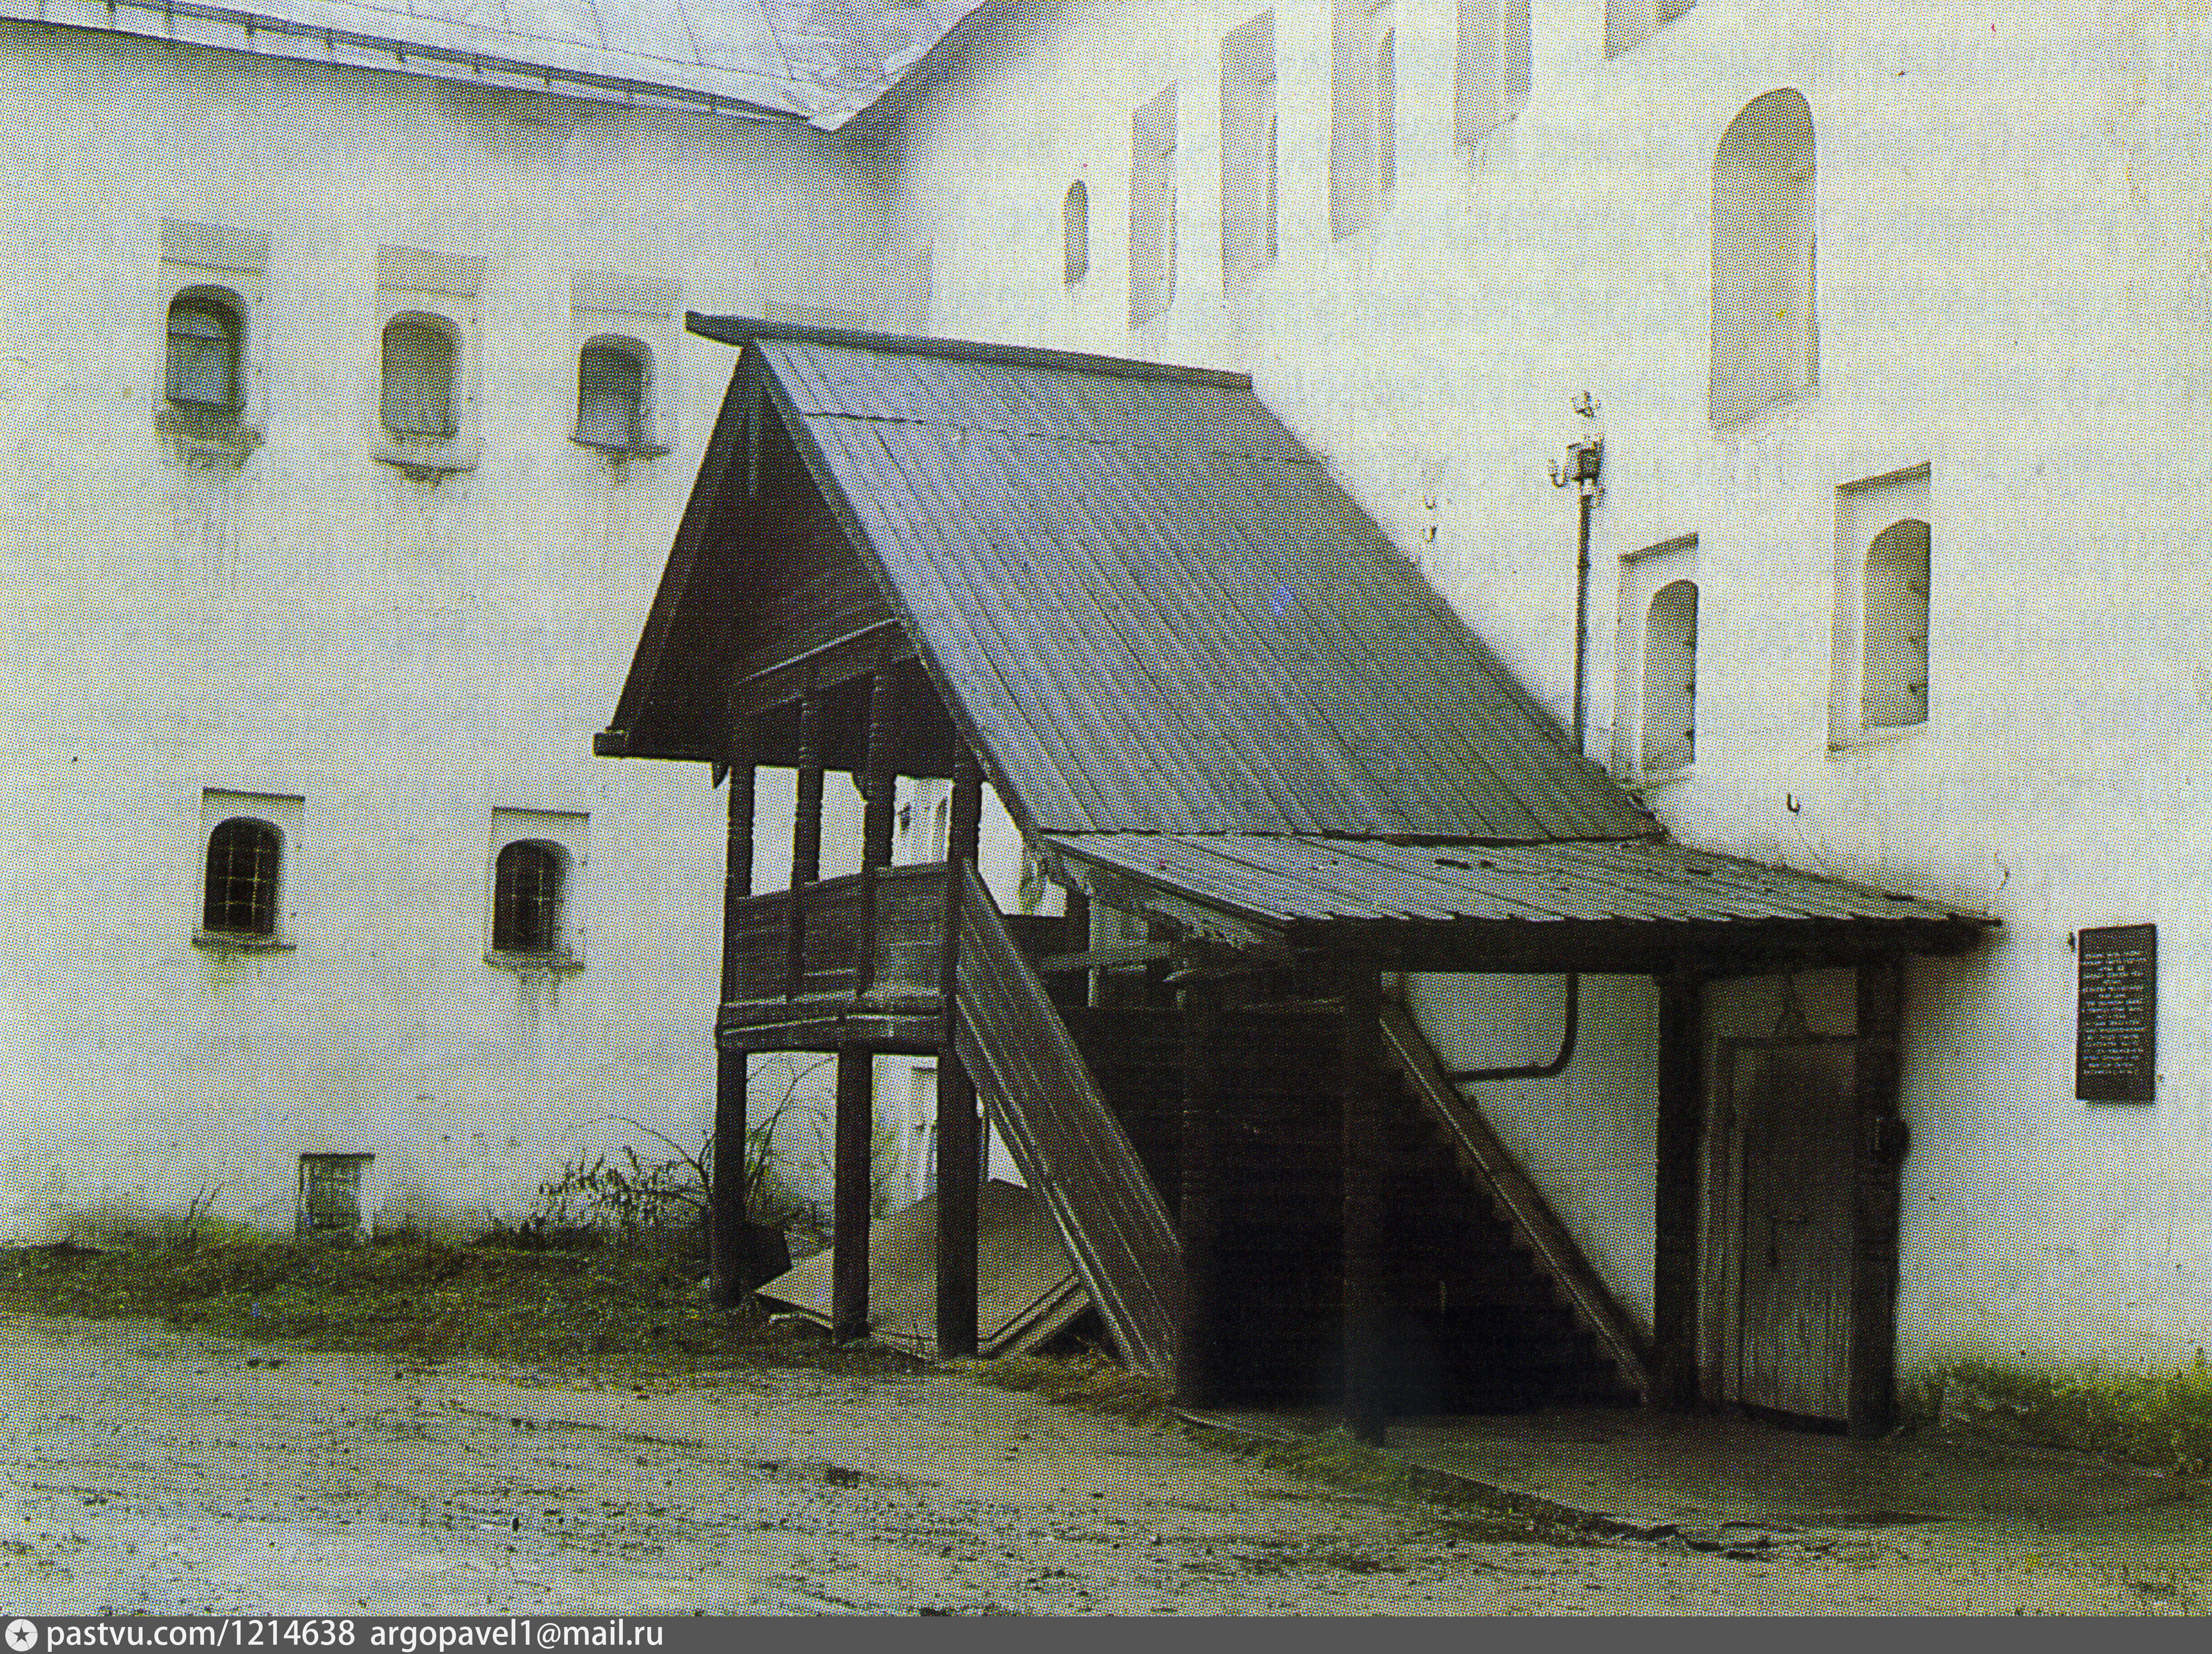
(247, 842)
(1362, 148)
(1152, 209)
(1249, 159)
(1656, 687)
(213, 290)
(1765, 342)
(1491, 85)
(1629, 23)
(1880, 687)
(429, 331)
(534, 917)
(625, 334)
(1075, 234)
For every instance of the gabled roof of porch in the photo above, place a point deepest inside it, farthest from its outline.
(1197, 674)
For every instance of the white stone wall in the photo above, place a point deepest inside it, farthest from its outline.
(404, 656)
(2014, 266)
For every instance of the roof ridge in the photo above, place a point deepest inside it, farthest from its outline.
(748, 329)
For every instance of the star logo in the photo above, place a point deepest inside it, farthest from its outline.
(22, 1636)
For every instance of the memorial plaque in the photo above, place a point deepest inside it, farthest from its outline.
(2115, 1027)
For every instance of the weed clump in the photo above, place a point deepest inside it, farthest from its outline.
(2159, 1419)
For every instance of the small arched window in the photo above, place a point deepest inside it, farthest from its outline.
(1669, 726)
(528, 888)
(244, 864)
(419, 354)
(1075, 234)
(1763, 349)
(610, 384)
(1894, 692)
(207, 336)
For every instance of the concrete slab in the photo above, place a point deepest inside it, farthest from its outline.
(1649, 1469)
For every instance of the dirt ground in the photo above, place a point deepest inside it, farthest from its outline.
(149, 1470)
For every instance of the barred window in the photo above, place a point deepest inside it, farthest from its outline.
(526, 895)
(419, 354)
(610, 394)
(205, 336)
(245, 861)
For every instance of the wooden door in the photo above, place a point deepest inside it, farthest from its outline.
(1794, 1106)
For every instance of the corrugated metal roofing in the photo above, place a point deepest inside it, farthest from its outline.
(1160, 614)
(1285, 883)
(823, 61)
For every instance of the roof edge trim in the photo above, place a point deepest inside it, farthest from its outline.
(342, 48)
(748, 329)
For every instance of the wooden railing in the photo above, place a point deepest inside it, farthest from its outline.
(1071, 1149)
(909, 914)
(1493, 1168)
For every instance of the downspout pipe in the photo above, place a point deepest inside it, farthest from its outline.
(1584, 470)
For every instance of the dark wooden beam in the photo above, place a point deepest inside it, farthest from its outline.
(730, 1264)
(1674, 1213)
(1366, 1260)
(873, 648)
(1877, 1151)
(805, 842)
(1201, 1370)
(959, 1134)
(852, 1140)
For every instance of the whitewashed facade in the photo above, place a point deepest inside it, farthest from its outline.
(389, 646)
(1959, 258)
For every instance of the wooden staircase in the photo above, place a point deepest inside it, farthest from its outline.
(1491, 1307)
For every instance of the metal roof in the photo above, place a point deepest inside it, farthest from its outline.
(1157, 611)
(1290, 889)
(823, 61)
(1203, 681)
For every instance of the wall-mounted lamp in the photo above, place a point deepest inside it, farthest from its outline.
(1585, 460)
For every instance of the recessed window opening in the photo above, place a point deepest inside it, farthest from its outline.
(206, 348)
(1629, 23)
(528, 886)
(1670, 729)
(1247, 149)
(1363, 151)
(1492, 85)
(1764, 347)
(1075, 234)
(1152, 209)
(1894, 691)
(245, 861)
(419, 354)
(611, 382)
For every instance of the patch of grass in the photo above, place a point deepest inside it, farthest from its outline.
(2159, 1418)
(635, 1307)
(1092, 1382)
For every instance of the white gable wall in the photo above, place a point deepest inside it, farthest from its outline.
(404, 656)
(2011, 209)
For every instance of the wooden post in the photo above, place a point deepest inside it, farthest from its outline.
(1878, 1148)
(855, 1126)
(805, 842)
(959, 1136)
(1200, 1363)
(1675, 1209)
(853, 1193)
(1365, 1261)
(730, 1265)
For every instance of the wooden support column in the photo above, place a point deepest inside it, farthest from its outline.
(1365, 1261)
(856, 1124)
(1200, 1369)
(805, 842)
(959, 1135)
(1674, 1211)
(1878, 1150)
(730, 1265)
(854, 1132)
